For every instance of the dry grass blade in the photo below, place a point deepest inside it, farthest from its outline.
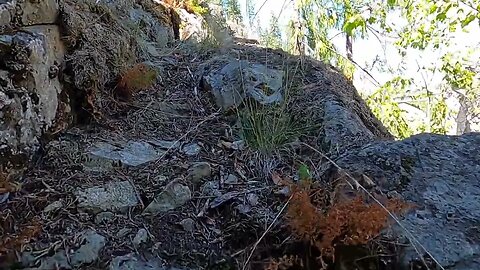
(265, 233)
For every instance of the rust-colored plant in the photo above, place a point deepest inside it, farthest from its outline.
(349, 222)
(11, 242)
(6, 182)
(134, 79)
(283, 263)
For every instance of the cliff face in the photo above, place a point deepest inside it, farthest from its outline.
(181, 173)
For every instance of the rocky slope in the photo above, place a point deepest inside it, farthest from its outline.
(173, 178)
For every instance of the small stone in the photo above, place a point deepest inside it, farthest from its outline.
(199, 171)
(131, 262)
(174, 196)
(285, 191)
(104, 217)
(244, 208)
(238, 145)
(160, 179)
(56, 205)
(231, 179)
(140, 237)
(252, 199)
(4, 197)
(123, 232)
(211, 188)
(191, 149)
(89, 251)
(188, 224)
(131, 153)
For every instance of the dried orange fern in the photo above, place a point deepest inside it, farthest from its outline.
(352, 222)
(134, 79)
(6, 182)
(285, 262)
(11, 242)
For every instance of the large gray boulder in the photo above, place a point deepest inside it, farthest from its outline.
(341, 118)
(26, 13)
(441, 176)
(30, 90)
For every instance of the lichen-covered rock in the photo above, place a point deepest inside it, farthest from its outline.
(174, 196)
(192, 27)
(343, 120)
(26, 13)
(113, 196)
(90, 245)
(440, 175)
(132, 153)
(29, 88)
(131, 262)
(234, 80)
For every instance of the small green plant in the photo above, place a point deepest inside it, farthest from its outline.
(304, 174)
(196, 7)
(269, 127)
(266, 128)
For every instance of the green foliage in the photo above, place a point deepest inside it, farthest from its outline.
(250, 5)
(195, 6)
(269, 127)
(304, 174)
(439, 114)
(311, 37)
(266, 128)
(386, 109)
(232, 9)
(272, 37)
(425, 25)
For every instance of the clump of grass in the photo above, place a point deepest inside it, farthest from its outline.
(267, 127)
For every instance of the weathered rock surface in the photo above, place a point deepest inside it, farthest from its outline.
(57, 205)
(174, 196)
(104, 217)
(188, 224)
(113, 196)
(199, 171)
(132, 262)
(132, 153)
(26, 13)
(140, 237)
(441, 176)
(234, 80)
(191, 149)
(29, 89)
(91, 243)
(344, 120)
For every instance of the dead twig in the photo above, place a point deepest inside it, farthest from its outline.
(265, 233)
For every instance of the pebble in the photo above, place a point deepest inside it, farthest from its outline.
(54, 206)
(199, 171)
(104, 217)
(191, 149)
(231, 179)
(140, 237)
(188, 224)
